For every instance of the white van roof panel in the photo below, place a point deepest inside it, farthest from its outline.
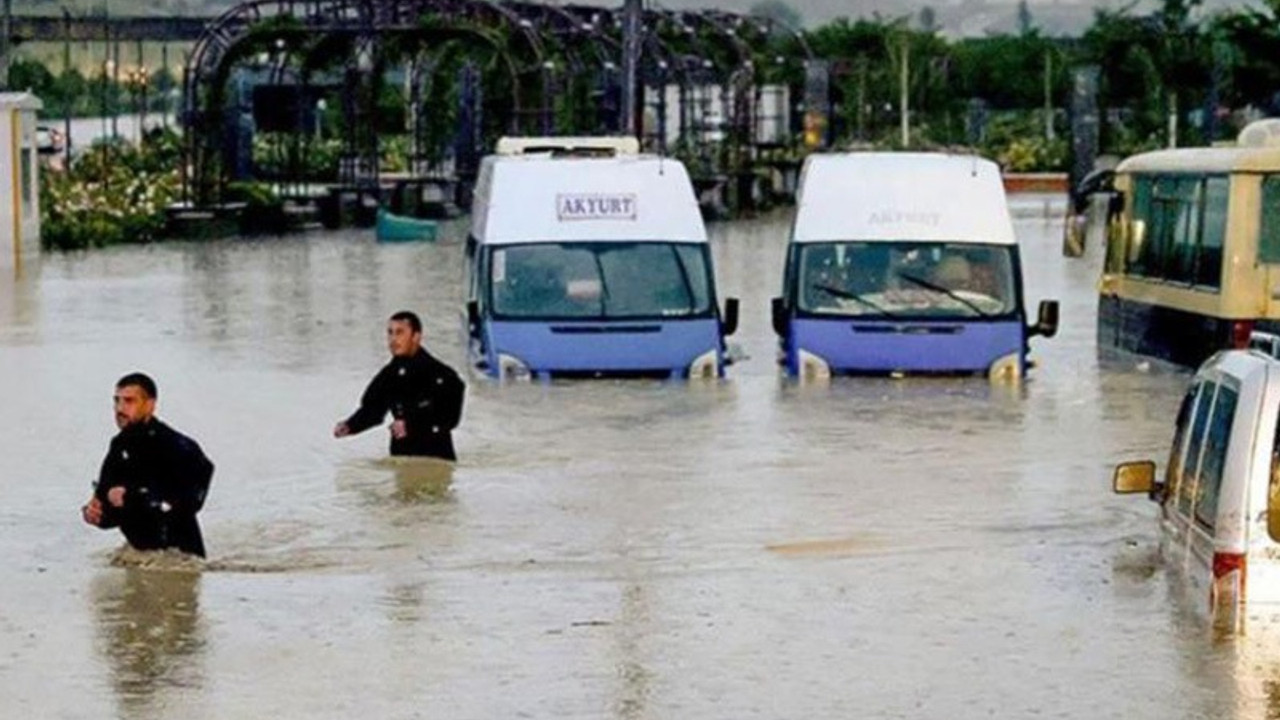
(522, 199)
(884, 196)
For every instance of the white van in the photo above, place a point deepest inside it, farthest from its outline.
(587, 259)
(1222, 480)
(903, 263)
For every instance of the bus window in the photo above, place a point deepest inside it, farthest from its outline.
(1269, 230)
(1213, 232)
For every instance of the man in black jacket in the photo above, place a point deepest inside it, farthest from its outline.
(154, 479)
(423, 395)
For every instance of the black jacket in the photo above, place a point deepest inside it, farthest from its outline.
(422, 391)
(166, 477)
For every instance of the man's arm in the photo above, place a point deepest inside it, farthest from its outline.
(188, 473)
(99, 511)
(372, 410)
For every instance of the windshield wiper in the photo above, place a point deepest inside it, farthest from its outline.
(945, 291)
(846, 295)
(604, 287)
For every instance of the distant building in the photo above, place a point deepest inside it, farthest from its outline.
(19, 191)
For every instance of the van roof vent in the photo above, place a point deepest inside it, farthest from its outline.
(1267, 343)
(605, 146)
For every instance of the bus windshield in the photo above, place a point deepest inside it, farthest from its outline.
(601, 280)
(906, 279)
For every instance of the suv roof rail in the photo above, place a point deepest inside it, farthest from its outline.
(1265, 342)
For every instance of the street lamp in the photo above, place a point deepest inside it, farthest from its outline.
(137, 79)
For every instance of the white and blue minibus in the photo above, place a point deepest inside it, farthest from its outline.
(903, 263)
(589, 259)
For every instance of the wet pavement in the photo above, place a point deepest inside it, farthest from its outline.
(749, 548)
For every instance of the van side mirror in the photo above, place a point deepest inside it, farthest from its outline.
(729, 325)
(1134, 477)
(780, 320)
(473, 318)
(1046, 319)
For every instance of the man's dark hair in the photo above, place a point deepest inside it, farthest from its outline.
(412, 318)
(142, 381)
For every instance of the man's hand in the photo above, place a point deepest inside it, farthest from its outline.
(398, 430)
(341, 430)
(115, 496)
(92, 511)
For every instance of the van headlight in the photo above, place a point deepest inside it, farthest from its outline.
(705, 366)
(812, 367)
(1008, 368)
(511, 367)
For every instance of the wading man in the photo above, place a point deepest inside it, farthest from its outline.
(154, 479)
(423, 395)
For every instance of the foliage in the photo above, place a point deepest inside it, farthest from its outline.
(114, 193)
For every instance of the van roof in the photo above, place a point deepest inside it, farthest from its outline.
(539, 198)
(1240, 364)
(886, 196)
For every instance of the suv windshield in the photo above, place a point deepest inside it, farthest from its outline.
(915, 279)
(601, 280)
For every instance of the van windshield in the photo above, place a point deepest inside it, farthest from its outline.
(909, 279)
(601, 280)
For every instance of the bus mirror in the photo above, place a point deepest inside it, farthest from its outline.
(1137, 234)
(729, 325)
(1134, 477)
(1046, 319)
(779, 310)
(473, 318)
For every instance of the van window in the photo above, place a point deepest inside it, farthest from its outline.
(601, 280)
(927, 279)
(1217, 438)
(1195, 446)
(1173, 472)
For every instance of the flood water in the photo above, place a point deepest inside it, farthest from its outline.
(750, 548)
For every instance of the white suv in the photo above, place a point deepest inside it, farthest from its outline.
(1220, 484)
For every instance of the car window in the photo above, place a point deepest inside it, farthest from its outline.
(1177, 452)
(1195, 445)
(1217, 438)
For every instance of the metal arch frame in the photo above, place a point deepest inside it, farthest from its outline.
(226, 35)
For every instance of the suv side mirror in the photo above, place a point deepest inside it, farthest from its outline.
(473, 318)
(1134, 477)
(780, 319)
(729, 325)
(1046, 320)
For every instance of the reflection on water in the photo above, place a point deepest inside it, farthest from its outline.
(927, 547)
(151, 633)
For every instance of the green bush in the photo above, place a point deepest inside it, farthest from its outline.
(114, 193)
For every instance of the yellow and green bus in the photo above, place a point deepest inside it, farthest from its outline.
(1193, 252)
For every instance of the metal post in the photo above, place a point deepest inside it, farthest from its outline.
(631, 30)
(1048, 95)
(6, 32)
(904, 108)
(67, 102)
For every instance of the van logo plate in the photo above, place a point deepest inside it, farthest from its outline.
(596, 206)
